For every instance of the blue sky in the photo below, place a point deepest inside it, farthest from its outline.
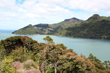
(15, 14)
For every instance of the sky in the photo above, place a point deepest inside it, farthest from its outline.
(15, 14)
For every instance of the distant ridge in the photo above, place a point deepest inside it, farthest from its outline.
(72, 19)
(95, 27)
(94, 17)
(48, 28)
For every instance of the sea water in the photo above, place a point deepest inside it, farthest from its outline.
(99, 48)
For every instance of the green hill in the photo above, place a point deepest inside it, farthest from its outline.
(27, 30)
(48, 28)
(95, 27)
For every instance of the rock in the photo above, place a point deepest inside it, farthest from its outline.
(33, 70)
(18, 66)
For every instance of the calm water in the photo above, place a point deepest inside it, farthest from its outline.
(99, 48)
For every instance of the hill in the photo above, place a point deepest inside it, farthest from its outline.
(21, 54)
(95, 27)
(30, 29)
(48, 28)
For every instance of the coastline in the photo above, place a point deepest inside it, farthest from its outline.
(63, 36)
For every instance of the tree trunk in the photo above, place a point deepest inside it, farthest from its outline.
(55, 68)
(43, 66)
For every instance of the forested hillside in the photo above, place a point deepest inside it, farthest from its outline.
(95, 27)
(21, 54)
(49, 28)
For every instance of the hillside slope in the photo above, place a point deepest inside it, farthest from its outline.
(21, 54)
(96, 27)
(48, 28)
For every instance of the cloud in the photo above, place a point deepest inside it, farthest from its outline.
(31, 15)
(89, 5)
(53, 2)
(8, 14)
(21, 10)
(43, 7)
(108, 12)
(7, 3)
(49, 11)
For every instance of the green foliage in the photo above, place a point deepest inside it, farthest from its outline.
(5, 65)
(71, 63)
(49, 29)
(98, 64)
(93, 58)
(21, 54)
(96, 27)
(50, 70)
(2, 52)
(106, 64)
(48, 39)
(62, 46)
(29, 63)
(27, 30)
(14, 42)
(49, 58)
(71, 50)
(42, 25)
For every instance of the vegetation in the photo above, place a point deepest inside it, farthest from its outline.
(49, 29)
(29, 63)
(48, 39)
(100, 67)
(96, 27)
(29, 30)
(47, 57)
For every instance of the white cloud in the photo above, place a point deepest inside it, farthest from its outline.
(31, 15)
(43, 7)
(89, 5)
(9, 14)
(108, 12)
(21, 10)
(7, 3)
(49, 11)
(52, 1)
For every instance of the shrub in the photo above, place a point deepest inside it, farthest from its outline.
(29, 63)
(5, 65)
(19, 54)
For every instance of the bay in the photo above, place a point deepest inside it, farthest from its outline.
(99, 48)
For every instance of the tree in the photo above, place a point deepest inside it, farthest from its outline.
(53, 54)
(48, 39)
(98, 64)
(93, 58)
(14, 42)
(107, 64)
(71, 63)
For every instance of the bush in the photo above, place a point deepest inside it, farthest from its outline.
(29, 63)
(19, 54)
(5, 65)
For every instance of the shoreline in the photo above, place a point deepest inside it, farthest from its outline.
(63, 36)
